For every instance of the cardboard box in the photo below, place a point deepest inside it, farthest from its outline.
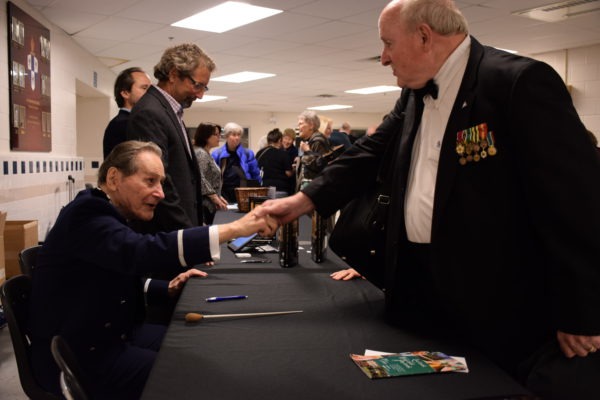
(18, 235)
(2, 258)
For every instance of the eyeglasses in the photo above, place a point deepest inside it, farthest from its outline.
(198, 85)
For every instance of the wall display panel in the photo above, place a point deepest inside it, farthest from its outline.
(29, 77)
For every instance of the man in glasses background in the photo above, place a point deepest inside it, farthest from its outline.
(183, 73)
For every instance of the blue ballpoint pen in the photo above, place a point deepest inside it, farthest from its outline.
(221, 298)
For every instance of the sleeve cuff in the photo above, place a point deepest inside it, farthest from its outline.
(213, 238)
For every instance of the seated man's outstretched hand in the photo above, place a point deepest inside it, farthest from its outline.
(176, 285)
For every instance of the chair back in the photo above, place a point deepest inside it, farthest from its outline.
(15, 294)
(73, 382)
(27, 259)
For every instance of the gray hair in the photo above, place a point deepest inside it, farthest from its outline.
(124, 158)
(442, 16)
(312, 118)
(232, 127)
(185, 58)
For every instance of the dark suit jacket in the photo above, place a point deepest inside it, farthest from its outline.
(515, 237)
(87, 285)
(153, 119)
(115, 131)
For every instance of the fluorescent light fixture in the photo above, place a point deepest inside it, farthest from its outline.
(207, 97)
(374, 89)
(560, 11)
(225, 17)
(240, 77)
(329, 107)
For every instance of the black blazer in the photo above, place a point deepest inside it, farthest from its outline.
(153, 119)
(115, 132)
(515, 237)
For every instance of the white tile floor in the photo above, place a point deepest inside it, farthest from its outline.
(10, 387)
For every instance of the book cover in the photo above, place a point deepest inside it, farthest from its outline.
(409, 363)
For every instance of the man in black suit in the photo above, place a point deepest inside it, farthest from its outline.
(493, 234)
(183, 73)
(130, 86)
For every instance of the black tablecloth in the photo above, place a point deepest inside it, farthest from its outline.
(298, 356)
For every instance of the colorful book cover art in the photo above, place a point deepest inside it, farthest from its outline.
(409, 363)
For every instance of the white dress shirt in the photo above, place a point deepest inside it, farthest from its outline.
(418, 203)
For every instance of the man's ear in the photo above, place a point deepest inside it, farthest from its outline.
(425, 33)
(113, 177)
(125, 94)
(173, 74)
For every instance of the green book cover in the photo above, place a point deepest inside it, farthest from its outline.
(410, 363)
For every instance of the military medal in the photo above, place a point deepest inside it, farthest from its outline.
(474, 144)
(492, 149)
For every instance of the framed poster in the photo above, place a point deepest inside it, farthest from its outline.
(29, 80)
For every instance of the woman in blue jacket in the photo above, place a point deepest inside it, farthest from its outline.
(238, 164)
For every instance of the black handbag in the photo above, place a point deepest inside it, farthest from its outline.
(359, 234)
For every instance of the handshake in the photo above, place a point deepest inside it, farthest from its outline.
(266, 218)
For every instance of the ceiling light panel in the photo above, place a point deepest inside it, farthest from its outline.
(245, 76)
(226, 16)
(374, 89)
(561, 11)
(329, 107)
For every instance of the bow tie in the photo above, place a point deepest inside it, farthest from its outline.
(431, 88)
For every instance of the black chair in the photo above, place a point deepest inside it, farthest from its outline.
(15, 294)
(27, 259)
(72, 380)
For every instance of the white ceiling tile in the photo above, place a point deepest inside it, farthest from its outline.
(314, 46)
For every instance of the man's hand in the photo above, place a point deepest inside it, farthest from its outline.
(346, 274)
(250, 223)
(572, 345)
(287, 209)
(177, 284)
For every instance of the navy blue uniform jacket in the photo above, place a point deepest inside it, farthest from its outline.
(87, 286)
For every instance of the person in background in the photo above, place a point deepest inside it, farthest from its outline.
(316, 148)
(262, 142)
(131, 84)
(371, 130)
(207, 138)
(275, 164)
(183, 73)
(492, 238)
(346, 129)
(237, 164)
(336, 137)
(288, 144)
(88, 286)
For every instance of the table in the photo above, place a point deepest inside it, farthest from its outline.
(299, 356)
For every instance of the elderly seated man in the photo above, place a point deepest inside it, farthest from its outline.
(88, 288)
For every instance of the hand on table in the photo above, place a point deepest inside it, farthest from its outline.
(577, 345)
(219, 202)
(346, 275)
(176, 285)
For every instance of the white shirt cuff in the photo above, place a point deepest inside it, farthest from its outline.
(213, 239)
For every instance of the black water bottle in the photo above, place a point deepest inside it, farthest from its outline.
(288, 244)
(318, 239)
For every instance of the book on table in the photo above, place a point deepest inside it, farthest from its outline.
(408, 363)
